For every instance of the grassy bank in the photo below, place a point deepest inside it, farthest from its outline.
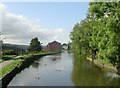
(7, 57)
(1, 61)
(30, 55)
(5, 70)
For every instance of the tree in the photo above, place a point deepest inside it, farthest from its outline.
(99, 32)
(80, 37)
(35, 45)
(106, 32)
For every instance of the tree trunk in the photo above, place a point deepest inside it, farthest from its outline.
(118, 68)
(93, 55)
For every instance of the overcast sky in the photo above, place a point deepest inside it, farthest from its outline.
(22, 21)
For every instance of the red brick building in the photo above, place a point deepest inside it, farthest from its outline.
(54, 46)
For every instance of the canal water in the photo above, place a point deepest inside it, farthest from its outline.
(64, 70)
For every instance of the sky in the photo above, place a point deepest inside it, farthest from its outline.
(49, 21)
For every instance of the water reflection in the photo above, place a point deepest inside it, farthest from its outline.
(54, 58)
(86, 74)
(35, 64)
(64, 70)
(56, 72)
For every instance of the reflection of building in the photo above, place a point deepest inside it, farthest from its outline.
(54, 46)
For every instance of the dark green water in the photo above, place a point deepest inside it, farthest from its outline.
(64, 70)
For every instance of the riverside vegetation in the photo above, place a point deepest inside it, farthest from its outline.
(98, 35)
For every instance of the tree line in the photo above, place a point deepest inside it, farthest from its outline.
(99, 33)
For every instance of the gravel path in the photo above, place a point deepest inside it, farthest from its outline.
(4, 63)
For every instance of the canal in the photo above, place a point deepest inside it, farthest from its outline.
(64, 70)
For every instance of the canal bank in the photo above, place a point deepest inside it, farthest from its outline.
(103, 66)
(25, 62)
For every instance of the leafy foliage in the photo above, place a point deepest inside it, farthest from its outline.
(80, 38)
(99, 33)
(35, 45)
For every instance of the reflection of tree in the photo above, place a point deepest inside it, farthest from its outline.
(35, 65)
(86, 74)
(119, 82)
(54, 58)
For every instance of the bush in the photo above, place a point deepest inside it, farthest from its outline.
(9, 52)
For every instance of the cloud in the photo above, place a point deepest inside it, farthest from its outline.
(2, 6)
(19, 29)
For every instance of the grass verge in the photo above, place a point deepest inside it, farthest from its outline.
(1, 61)
(7, 57)
(5, 70)
(30, 55)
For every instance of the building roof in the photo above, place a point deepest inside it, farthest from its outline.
(55, 42)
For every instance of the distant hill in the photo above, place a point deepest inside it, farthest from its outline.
(15, 47)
